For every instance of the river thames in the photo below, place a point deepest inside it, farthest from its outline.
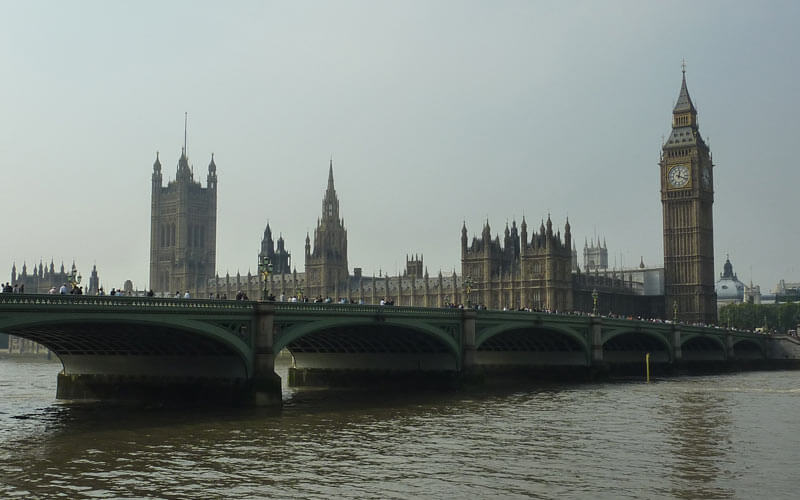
(720, 436)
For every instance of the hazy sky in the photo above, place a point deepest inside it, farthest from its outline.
(434, 112)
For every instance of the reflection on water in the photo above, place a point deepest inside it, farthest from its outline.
(683, 438)
(699, 438)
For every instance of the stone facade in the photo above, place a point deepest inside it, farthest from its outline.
(280, 258)
(520, 272)
(523, 271)
(326, 264)
(43, 278)
(595, 257)
(687, 196)
(183, 230)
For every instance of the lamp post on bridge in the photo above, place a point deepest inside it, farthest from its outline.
(594, 302)
(675, 311)
(74, 278)
(265, 267)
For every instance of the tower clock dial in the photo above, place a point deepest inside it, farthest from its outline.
(678, 176)
(706, 177)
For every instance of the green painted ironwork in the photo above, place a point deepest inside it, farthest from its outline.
(230, 322)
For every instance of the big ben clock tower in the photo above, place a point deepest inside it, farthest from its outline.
(687, 196)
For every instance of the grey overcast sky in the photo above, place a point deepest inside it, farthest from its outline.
(434, 113)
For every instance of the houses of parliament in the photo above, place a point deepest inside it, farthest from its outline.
(526, 267)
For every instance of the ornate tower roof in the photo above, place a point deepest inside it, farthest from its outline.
(727, 270)
(330, 203)
(684, 120)
(684, 102)
(184, 172)
(212, 173)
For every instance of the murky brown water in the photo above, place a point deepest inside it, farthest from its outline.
(729, 436)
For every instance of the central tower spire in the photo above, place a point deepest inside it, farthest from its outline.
(326, 265)
(330, 203)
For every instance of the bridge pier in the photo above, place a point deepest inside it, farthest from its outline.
(730, 354)
(470, 370)
(677, 353)
(266, 384)
(596, 333)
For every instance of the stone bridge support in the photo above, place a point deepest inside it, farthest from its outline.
(677, 353)
(265, 382)
(469, 367)
(730, 354)
(596, 339)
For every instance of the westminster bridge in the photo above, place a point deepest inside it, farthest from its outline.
(219, 350)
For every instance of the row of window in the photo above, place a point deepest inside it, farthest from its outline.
(674, 153)
(167, 238)
(196, 236)
(682, 120)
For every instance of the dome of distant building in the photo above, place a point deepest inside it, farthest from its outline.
(729, 288)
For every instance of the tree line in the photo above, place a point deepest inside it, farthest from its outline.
(772, 317)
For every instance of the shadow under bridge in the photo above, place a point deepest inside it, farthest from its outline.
(373, 343)
(534, 345)
(155, 347)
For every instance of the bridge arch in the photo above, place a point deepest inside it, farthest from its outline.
(493, 331)
(748, 349)
(699, 347)
(531, 344)
(136, 340)
(629, 345)
(370, 334)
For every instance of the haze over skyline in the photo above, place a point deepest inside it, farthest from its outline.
(434, 114)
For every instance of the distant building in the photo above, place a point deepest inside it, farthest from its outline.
(521, 270)
(647, 280)
(17, 345)
(752, 293)
(595, 258)
(183, 229)
(42, 278)
(786, 291)
(414, 268)
(729, 289)
(280, 259)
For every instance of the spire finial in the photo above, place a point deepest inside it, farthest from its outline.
(683, 66)
(185, 125)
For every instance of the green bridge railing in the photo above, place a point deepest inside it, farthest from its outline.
(239, 307)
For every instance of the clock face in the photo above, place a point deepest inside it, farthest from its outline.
(706, 178)
(678, 176)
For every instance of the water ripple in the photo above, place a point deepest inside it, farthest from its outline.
(705, 437)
